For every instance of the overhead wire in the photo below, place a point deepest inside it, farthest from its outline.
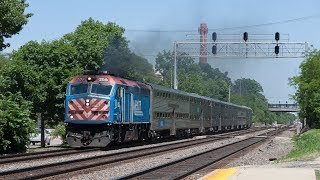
(270, 23)
(228, 28)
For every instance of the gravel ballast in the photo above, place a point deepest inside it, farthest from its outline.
(130, 167)
(139, 165)
(273, 149)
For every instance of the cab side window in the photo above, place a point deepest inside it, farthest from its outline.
(118, 93)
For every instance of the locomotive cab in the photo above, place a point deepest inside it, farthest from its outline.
(100, 109)
(89, 101)
(87, 113)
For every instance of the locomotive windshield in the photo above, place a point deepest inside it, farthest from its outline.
(103, 89)
(78, 89)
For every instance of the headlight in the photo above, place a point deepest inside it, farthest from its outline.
(87, 100)
(71, 117)
(91, 79)
(87, 104)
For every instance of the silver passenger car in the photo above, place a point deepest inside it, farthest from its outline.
(175, 112)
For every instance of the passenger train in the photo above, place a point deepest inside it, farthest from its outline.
(101, 109)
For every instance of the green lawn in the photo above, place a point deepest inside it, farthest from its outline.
(318, 175)
(306, 146)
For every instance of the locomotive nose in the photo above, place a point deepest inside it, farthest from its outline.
(88, 109)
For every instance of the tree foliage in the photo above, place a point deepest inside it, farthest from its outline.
(36, 76)
(3, 60)
(285, 118)
(90, 40)
(192, 77)
(249, 92)
(308, 85)
(41, 71)
(247, 87)
(12, 18)
(15, 123)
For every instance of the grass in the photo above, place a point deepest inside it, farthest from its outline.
(306, 146)
(317, 174)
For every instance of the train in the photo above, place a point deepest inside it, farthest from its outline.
(102, 109)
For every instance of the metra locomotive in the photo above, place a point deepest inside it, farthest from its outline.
(102, 108)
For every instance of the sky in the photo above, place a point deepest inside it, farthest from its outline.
(169, 21)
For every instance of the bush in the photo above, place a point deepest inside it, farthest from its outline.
(15, 123)
(60, 130)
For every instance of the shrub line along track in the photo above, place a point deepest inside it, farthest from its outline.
(84, 163)
(186, 166)
(63, 152)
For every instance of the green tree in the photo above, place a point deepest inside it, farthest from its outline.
(192, 77)
(308, 85)
(247, 87)
(165, 60)
(216, 83)
(15, 123)
(3, 60)
(12, 19)
(41, 71)
(248, 92)
(285, 118)
(91, 40)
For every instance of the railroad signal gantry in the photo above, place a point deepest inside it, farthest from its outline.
(237, 46)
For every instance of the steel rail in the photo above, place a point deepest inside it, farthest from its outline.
(184, 167)
(62, 152)
(85, 163)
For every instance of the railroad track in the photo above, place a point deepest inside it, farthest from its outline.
(64, 152)
(184, 167)
(42, 154)
(54, 169)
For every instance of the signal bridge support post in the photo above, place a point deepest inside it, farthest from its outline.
(175, 80)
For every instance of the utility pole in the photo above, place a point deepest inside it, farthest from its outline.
(43, 144)
(240, 86)
(229, 93)
(175, 80)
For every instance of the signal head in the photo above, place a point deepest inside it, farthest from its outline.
(277, 36)
(245, 36)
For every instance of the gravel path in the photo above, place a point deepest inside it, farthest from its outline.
(313, 164)
(274, 148)
(278, 147)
